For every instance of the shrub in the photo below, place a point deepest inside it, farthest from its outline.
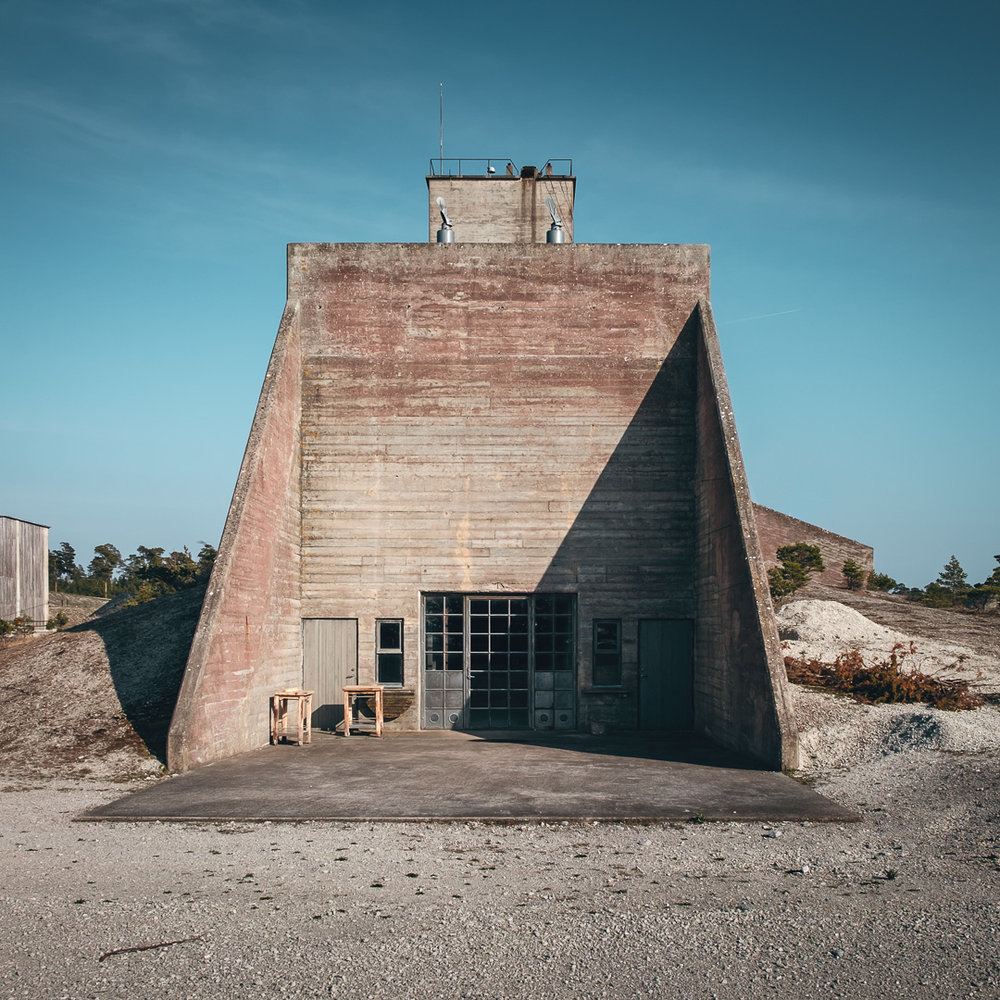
(934, 595)
(797, 562)
(21, 625)
(854, 575)
(981, 597)
(885, 682)
(881, 581)
(781, 583)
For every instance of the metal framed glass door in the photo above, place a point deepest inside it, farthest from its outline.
(499, 691)
(499, 662)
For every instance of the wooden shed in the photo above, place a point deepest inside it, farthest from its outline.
(24, 570)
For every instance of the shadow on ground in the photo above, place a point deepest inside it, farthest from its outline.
(147, 648)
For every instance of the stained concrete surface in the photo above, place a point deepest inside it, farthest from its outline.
(458, 776)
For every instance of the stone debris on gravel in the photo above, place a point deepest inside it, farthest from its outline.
(906, 901)
(837, 732)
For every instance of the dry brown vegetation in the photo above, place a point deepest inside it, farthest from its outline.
(886, 681)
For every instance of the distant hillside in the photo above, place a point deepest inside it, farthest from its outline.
(76, 607)
(97, 698)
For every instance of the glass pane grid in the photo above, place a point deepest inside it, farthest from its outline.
(443, 631)
(498, 639)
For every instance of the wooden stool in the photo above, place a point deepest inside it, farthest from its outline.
(352, 691)
(281, 710)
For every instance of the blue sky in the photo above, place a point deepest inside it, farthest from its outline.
(841, 159)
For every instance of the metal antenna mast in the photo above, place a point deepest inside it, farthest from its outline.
(441, 130)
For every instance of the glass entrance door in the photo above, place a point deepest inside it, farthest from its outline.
(499, 662)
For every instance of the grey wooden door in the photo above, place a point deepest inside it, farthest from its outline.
(666, 652)
(329, 661)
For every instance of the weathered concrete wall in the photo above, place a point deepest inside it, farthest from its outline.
(498, 418)
(742, 699)
(500, 209)
(486, 419)
(775, 529)
(249, 639)
(24, 569)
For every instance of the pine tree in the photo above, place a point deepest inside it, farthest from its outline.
(953, 577)
(853, 574)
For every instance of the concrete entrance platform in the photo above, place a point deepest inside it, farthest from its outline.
(452, 776)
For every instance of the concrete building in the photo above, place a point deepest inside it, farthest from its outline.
(501, 477)
(24, 570)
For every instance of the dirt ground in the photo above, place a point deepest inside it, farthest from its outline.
(96, 699)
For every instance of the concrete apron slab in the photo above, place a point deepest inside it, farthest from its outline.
(504, 778)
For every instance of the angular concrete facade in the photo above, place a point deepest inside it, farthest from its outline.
(503, 479)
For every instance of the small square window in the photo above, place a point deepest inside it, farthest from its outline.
(389, 650)
(607, 652)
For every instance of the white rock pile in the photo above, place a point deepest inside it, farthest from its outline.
(837, 732)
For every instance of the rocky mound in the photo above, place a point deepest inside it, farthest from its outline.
(836, 732)
(822, 630)
(96, 699)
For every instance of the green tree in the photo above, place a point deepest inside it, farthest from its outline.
(953, 577)
(797, 562)
(206, 559)
(881, 581)
(980, 597)
(150, 573)
(853, 574)
(107, 560)
(936, 595)
(986, 594)
(62, 562)
(144, 563)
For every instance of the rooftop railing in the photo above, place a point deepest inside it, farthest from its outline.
(494, 166)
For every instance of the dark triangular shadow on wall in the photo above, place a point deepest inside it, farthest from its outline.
(633, 540)
(667, 533)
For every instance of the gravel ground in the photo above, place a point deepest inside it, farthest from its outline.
(905, 902)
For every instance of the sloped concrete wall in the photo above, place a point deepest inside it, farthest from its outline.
(742, 700)
(490, 418)
(249, 641)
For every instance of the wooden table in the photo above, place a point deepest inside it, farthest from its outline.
(281, 710)
(352, 691)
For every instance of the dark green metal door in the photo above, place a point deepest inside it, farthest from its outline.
(666, 663)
